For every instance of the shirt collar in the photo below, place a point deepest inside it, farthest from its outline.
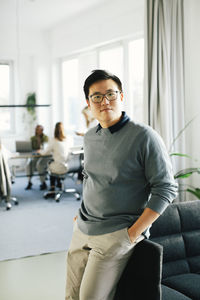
(114, 128)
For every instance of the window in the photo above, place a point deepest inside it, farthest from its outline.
(6, 90)
(130, 69)
(136, 78)
(70, 89)
(74, 73)
(112, 60)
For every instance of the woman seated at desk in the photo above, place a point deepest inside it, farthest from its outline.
(59, 147)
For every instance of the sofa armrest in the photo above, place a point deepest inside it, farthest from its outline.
(141, 278)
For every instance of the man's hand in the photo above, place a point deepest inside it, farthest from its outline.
(143, 222)
(131, 235)
(75, 218)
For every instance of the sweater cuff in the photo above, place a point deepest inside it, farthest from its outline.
(157, 204)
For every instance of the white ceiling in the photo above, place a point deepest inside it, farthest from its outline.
(43, 14)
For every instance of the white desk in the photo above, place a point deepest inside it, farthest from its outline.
(25, 156)
(74, 150)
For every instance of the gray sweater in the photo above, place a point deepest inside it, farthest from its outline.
(125, 171)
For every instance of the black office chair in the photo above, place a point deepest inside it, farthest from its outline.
(75, 164)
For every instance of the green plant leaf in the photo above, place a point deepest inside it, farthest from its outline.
(183, 175)
(180, 154)
(186, 172)
(195, 192)
(30, 102)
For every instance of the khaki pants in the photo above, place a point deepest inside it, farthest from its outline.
(39, 164)
(95, 264)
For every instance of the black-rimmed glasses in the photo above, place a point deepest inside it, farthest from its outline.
(110, 96)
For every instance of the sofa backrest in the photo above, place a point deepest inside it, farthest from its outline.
(178, 231)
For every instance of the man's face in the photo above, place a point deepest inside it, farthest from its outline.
(107, 112)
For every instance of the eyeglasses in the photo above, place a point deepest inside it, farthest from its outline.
(110, 96)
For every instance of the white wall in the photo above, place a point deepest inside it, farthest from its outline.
(192, 82)
(116, 19)
(29, 50)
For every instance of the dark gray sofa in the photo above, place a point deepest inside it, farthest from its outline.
(167, 266)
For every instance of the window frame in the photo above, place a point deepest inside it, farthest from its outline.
(11, 99)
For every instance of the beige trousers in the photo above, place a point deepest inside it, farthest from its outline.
(95, 264)
(39, 164)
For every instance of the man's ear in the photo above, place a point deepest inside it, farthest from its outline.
(88, 103)
(121, 96)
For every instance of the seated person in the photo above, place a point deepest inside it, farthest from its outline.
(59, 147)
(37, 163)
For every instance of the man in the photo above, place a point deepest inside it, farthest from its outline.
(128, 183)
(38, 163)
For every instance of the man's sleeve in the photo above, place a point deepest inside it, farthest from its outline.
(158, 172)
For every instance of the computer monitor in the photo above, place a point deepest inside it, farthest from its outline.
(23, 146)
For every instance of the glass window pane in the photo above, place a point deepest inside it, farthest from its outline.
(5, 119)
(136, 78)
(70, 93)
(5, 113)
(112, 60)
(5, 84)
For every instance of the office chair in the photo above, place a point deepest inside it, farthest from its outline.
(75, 164)
(8, 201)
(5, 182)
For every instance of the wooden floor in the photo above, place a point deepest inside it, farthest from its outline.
(34, 278)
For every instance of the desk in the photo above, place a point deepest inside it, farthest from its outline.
(73, 150)
(78, 150)
(27, 156)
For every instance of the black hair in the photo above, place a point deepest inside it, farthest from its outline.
(98, 75)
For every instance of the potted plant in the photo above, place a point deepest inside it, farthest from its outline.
(187, 172)
(30, 115)
(31, 102)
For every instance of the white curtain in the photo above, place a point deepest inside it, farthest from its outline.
(165, 69)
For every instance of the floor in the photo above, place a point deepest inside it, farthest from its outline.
(34, 278)
(39, 277)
